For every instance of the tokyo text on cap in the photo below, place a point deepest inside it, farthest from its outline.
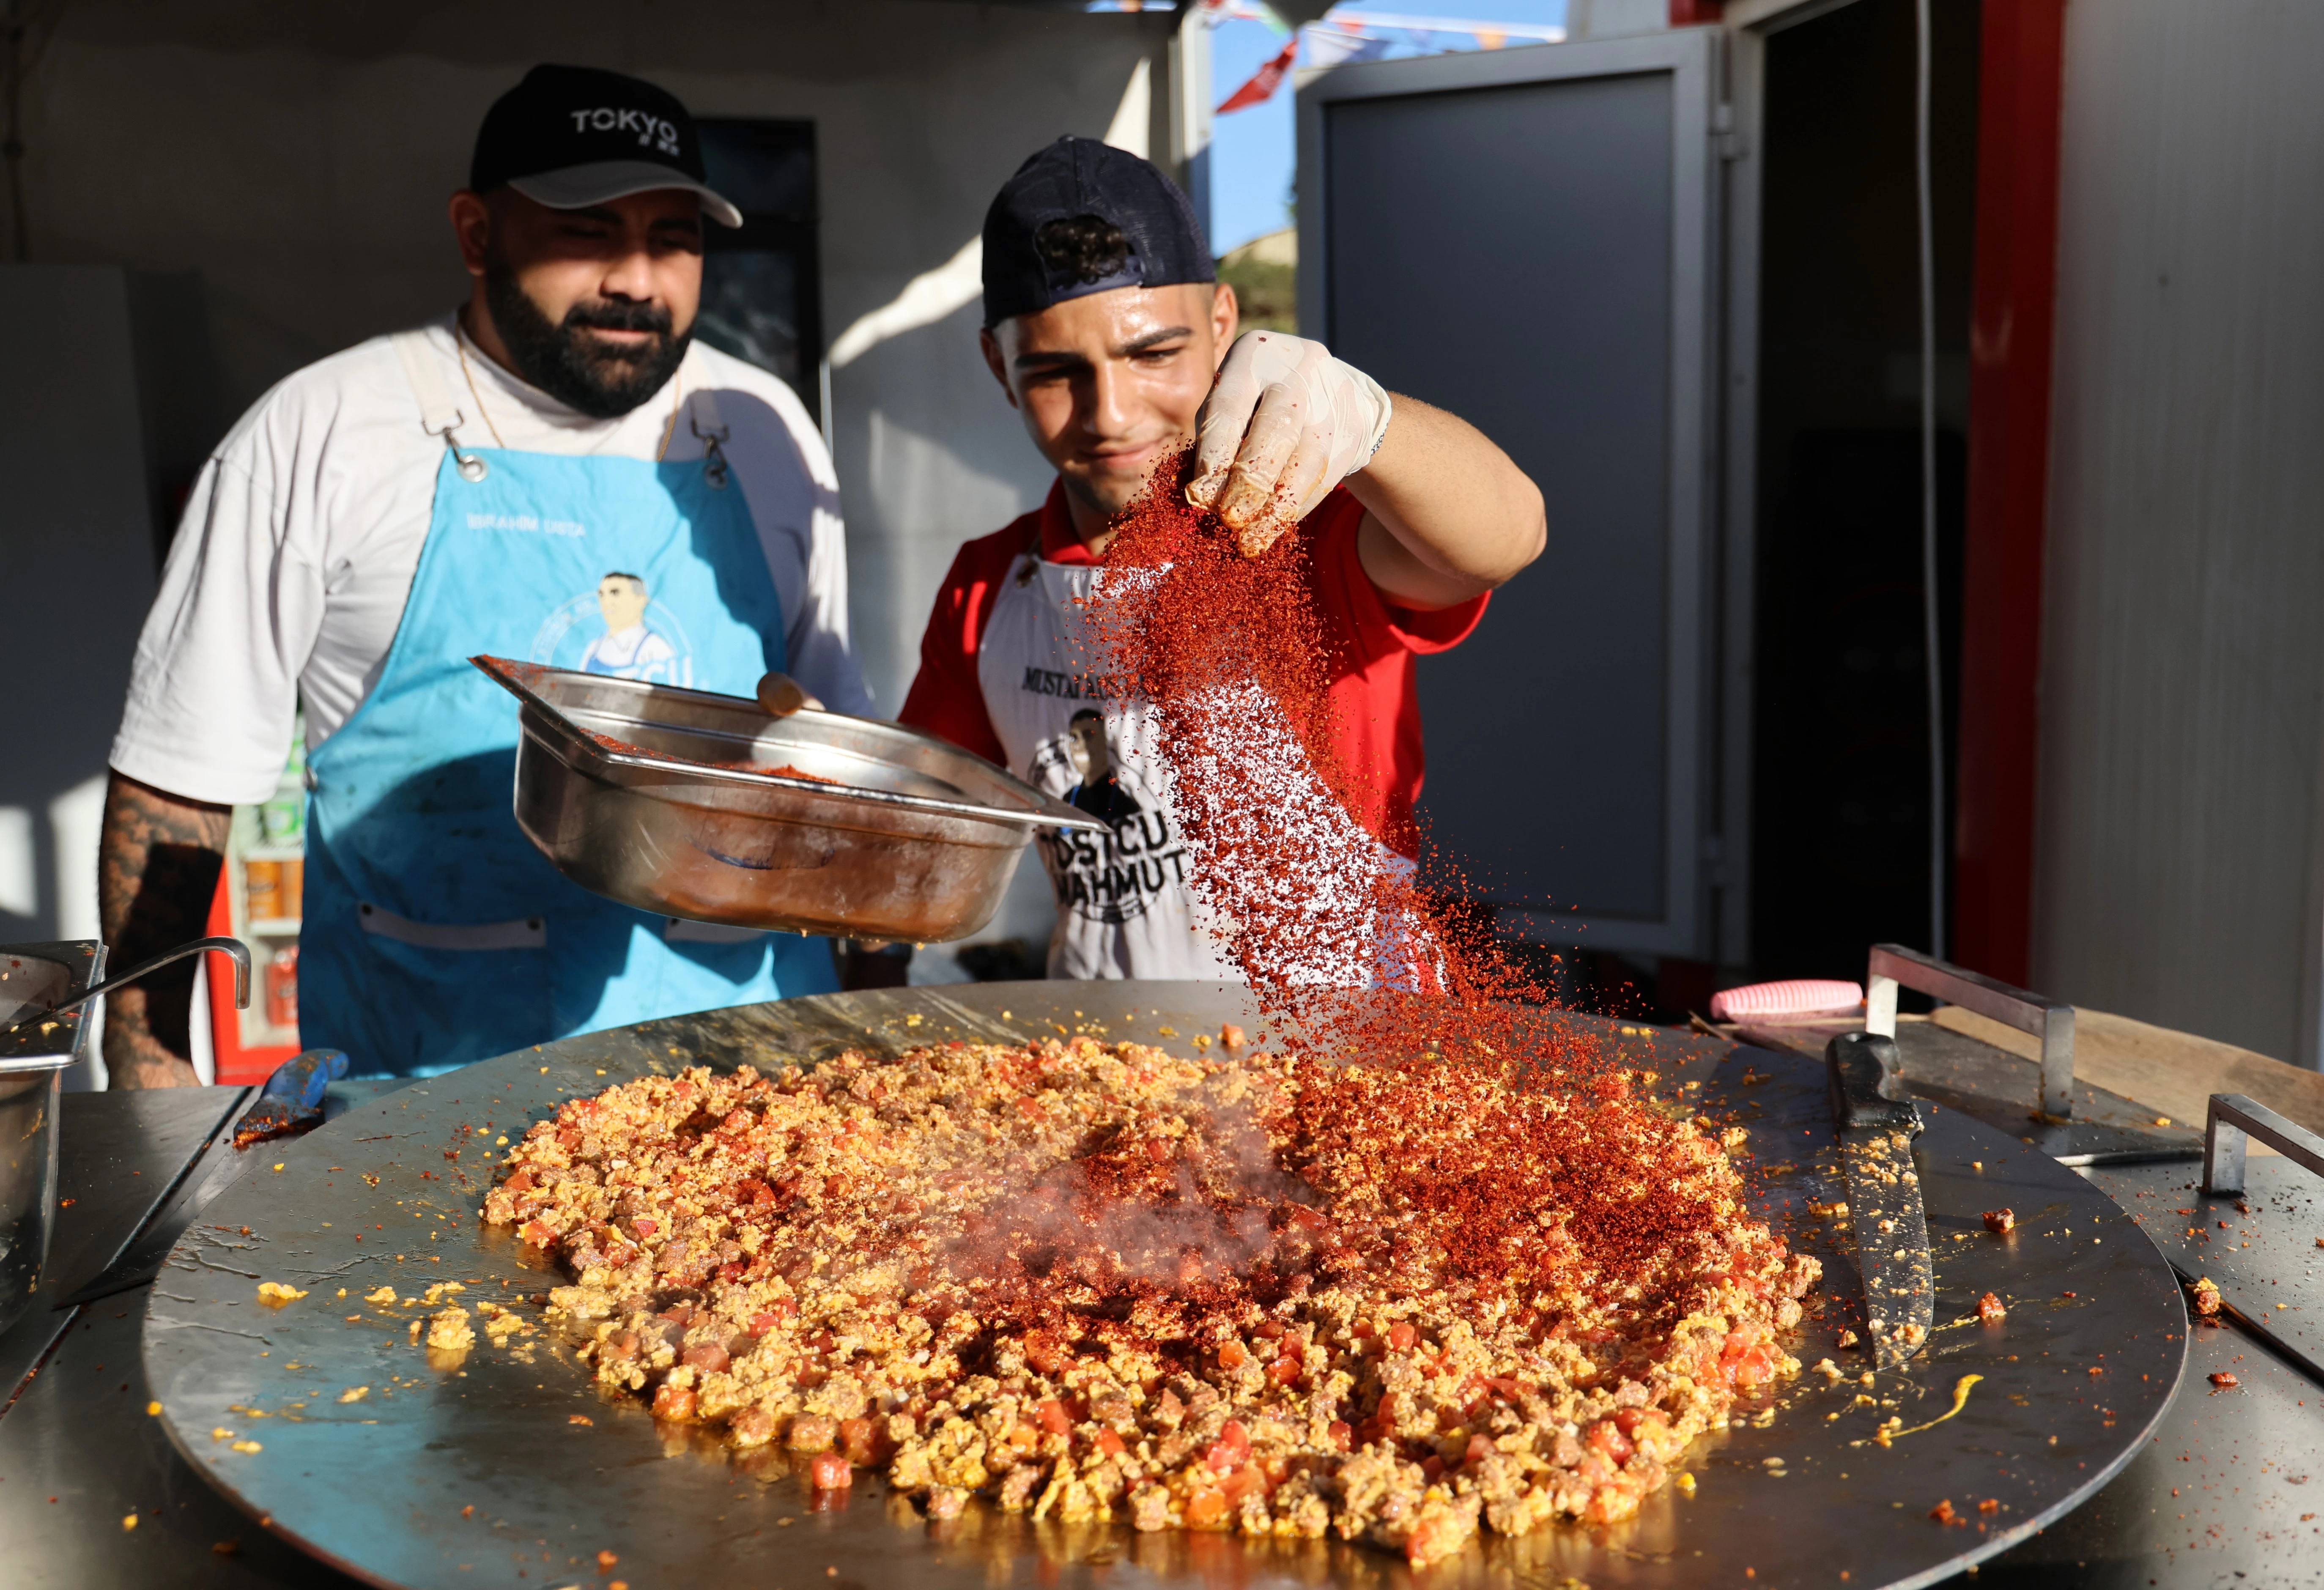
(569, 136)
(1026, 269)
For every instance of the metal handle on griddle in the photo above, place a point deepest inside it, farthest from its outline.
(2233, 1118)
(2049, 1019)
(229, 947)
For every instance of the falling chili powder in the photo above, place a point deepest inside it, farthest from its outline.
(1349, 954)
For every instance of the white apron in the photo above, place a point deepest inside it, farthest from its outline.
(1126, 906)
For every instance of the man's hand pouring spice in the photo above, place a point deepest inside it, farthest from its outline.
(1285, 423)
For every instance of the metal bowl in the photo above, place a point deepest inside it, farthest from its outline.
(644, 792)
(33, 1059)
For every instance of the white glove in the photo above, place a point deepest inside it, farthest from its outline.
(1285, 423)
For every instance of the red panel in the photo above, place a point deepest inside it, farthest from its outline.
(234, 1063)
(1687, 14)
(2019, 82)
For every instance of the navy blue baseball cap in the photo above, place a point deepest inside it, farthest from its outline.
(1051, 233)
(571, 137)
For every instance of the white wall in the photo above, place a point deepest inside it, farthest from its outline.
(2183, 672)
(76, 544)
(298, 157)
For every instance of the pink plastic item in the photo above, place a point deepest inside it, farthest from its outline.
(1798, 996)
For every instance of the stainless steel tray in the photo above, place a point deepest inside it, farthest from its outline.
(33, 1059)
(466, 1473)
(645, 793)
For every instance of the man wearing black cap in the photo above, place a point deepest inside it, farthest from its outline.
(1106, 327)
(556, 473)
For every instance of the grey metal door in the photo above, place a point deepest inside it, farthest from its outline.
(1525, 237)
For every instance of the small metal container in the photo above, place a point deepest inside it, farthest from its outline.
(33, 1059)
(644, 793)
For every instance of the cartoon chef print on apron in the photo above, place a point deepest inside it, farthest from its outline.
(434, 932)
(1126, 905)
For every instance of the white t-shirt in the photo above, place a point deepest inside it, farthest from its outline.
(296, 554)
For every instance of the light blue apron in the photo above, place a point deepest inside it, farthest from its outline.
(433, 932)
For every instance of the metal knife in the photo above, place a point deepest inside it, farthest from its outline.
(1875, 1123)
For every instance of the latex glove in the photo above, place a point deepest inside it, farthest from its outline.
(1285, 423)
(782, 695)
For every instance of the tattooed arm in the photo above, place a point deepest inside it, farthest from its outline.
(157, 872)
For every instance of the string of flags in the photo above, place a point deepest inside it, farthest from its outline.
(1347, 37)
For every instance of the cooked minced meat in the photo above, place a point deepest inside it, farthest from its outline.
(1100, 1282)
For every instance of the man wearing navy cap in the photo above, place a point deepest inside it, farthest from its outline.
(1110, 335)
(556, 473)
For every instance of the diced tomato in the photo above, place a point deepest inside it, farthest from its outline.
(1045, 1357)
(1233, 1355)
(1756, 1367)
(708, 1357)
(830, 1472)
(537, 1233)
(1606, 1436)
(1480, 1448)
(678, 1313)
(1625, 1419)
(859, 1440)
(731, 1269)
(521, 1182)
(1249, 1480)
(1340, 1435)
(1206, 1508)
(1270, 1330)
(1432, 1466)
(1401, 1336)
(673, 1401)
(645, 1226)
(1284, 1372)
(1230, 1449)
(1053, 1418)
(1110, 1444)
(1364, 1331)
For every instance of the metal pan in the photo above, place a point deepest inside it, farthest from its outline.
(645, 793)
(467, 1473)
(34, 979)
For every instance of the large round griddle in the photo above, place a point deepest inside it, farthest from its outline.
(473, 1472)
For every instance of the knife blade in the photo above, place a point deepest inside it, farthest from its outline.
(1875, 1123)
(217, 1164)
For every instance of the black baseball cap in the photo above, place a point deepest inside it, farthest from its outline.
(569, 136)
(1076, 178)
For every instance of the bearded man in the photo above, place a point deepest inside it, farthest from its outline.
(381, 516)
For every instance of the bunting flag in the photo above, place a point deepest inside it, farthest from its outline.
(1263, 83)
(1328, 47)
(1491, 38)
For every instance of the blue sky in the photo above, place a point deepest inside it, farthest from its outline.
(1252, 155)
